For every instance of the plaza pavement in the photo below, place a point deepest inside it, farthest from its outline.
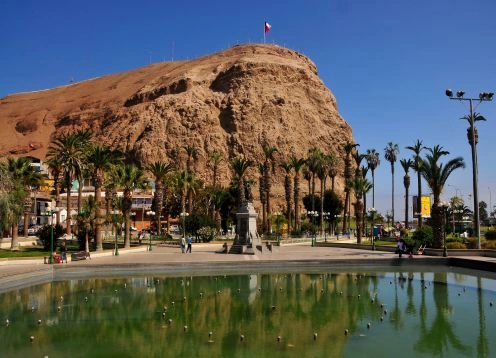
(340, 254)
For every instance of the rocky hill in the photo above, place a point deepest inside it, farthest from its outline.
(232, 101)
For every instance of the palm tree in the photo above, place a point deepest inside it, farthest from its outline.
(391, 154)
(436, 175)
(333, 164)
(191, 152)
(269, 166)
(159, 170)
(322, 172)
(129, 178)
(87, 219)
(83, 137)
(185, 182)
(287, 167)
(314, 162)
(373, 162)
(69, 150)
(297, 164)
(262, 192)
(56, 168)
(406, 164)
(214, 159)
(360, 186)
(417, 166)
(239, 167)
(348, 175)
(100, 160)
(22, 171)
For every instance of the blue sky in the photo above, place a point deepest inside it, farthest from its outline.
(387, 62)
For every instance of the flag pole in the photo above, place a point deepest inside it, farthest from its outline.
(264, 32)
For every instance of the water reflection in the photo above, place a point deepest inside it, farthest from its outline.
(384, 314)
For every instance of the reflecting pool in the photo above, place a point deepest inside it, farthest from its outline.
(318, 314)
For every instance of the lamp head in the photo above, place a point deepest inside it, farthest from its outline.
(486, 96)
(460, 94)
(449, 93)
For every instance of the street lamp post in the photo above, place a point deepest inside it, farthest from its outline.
(115, 216)
(183, 217)
(51, 212)
(277, 214)
(473, 139)
(151, 214)
(372, 212)
(336, 225)
(313, 214)
(133, 216)
(325, 217)
(444, 209)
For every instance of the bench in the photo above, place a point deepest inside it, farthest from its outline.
(80, 255)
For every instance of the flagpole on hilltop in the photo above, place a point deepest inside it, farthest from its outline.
(266, 28)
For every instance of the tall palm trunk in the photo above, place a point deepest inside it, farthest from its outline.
(419, 199)
(97, 182)
(287, 194)
(14, 244)
(406, 183)
(68, 207)
(322, 190)
(268, 187)
(392, 194)
(346, 208)
(127, 204)
(296, 189)
(27, 212)
(80, 195)
(57, 202)
(373, 188)
(358, 217)
(159, 199)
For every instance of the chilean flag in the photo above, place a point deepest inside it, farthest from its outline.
(267, 27)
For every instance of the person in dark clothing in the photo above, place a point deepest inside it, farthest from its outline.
(189, 240)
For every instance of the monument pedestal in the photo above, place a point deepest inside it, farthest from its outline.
(247, 239)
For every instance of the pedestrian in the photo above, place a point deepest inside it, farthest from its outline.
(400, 247)
(189, 240)
(63, 252)
(183, 244)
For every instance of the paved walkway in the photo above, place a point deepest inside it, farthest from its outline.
(206, 257)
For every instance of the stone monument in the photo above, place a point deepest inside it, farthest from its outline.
(247, 239)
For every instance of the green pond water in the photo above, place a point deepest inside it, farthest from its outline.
(321, 314)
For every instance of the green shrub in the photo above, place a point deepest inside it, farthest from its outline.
(207, 233)
(423, 236)
(455, 245)
(490, 235)
(490, 245)
(471, 243)
(450, 239)
(404, 232)
(411, 244)
(45, 234)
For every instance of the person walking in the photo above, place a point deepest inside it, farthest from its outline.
(183, 244)
(189, 240)
(63, 252)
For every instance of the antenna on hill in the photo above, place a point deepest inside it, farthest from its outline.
(173, 43)
(71, 80)
(150, 61)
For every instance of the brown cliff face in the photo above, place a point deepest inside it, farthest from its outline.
(233, 101)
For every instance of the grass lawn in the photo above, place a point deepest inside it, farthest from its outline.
(25, 252)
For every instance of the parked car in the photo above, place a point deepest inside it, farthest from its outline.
(33, 230)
